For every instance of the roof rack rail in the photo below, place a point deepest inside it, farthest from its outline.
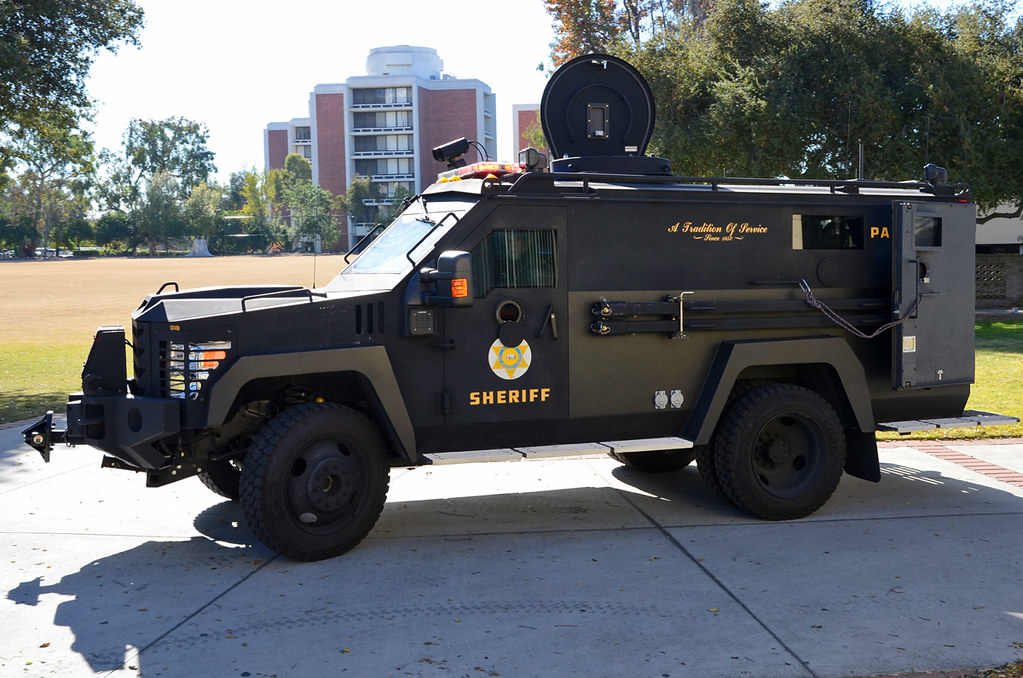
(527, 182)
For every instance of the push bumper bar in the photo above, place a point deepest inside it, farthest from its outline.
(107, 416)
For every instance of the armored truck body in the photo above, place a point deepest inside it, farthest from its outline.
(765, 328)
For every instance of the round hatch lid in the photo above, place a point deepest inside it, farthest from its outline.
(597, 105)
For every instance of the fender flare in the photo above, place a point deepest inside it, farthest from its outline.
(370, 361)
(735, 356)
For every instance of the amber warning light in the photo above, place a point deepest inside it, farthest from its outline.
(480, 170)
(459, 287)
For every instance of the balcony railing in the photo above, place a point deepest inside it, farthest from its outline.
(384, 154)
(378, 107)
(392, 177)
(378, 130)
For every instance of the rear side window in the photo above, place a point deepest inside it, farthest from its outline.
(826, 232)
(515, 258)
(927, 230)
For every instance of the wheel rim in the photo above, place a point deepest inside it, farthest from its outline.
(325, 486)
(789, 455)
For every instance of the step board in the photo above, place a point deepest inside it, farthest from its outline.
(554, 451)
(969, 419)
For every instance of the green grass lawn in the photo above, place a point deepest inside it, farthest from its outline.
(35, 378)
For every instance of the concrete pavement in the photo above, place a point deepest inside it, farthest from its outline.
(574, 567)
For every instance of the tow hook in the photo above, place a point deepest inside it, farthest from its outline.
(40, 435)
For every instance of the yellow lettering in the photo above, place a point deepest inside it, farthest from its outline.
(509, 397)
(884, 233)
(874, 231)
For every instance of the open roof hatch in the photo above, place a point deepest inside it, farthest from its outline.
(597, 113)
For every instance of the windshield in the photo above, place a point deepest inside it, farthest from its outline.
(413, 234)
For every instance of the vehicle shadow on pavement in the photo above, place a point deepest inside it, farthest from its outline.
(119, 604)
(192, 598)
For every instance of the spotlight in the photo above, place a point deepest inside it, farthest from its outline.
(532, 159)
(452, 152)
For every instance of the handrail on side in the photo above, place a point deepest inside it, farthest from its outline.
(281, 293)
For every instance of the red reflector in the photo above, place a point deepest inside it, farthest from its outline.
(459, 287)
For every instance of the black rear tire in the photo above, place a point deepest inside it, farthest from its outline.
(656, 461)
(314, 481)
(779, 451)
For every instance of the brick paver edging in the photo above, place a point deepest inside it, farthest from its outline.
(937, 448)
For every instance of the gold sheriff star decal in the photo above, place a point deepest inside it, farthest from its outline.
(510, 362)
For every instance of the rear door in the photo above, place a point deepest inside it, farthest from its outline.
(934, 287)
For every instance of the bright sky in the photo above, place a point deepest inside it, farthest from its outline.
(237, 65)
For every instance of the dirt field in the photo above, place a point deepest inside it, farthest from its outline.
(64, 301)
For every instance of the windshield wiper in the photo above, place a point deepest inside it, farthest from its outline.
(426, 214)
(433, 227)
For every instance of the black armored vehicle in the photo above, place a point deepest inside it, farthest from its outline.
(766, 328)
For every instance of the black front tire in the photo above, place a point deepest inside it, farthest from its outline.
(314, 481)
(779, 451)
(222, 477)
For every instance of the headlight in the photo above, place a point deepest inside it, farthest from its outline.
(189, 366)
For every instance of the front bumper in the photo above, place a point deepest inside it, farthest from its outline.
(124, 426)
(107, 416)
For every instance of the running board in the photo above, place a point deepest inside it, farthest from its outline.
(969, 419)
(554, 451)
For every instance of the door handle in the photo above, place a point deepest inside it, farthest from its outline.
(549, 319)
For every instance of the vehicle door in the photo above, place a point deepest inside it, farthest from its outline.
(506, 356)
(934, 284)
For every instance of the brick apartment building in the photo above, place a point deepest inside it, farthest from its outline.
(384, 125)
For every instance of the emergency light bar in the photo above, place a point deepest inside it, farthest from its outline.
(480, 170)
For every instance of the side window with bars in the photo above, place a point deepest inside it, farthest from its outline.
(515, 258)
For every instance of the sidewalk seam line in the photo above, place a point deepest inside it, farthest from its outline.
(678, 545)
(158, 639)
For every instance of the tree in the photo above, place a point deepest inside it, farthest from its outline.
(298, 167)
(261, 204)
(161, 217)
(203, 210)
(606, 26)
(581, 27)
(360, 192)
(112, 229)
(176, 146)
(47, 50)
(312, 211)
(793, 89)
(72, 232)
(17, 232)
(55, 171)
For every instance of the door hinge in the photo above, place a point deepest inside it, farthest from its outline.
(443, 403)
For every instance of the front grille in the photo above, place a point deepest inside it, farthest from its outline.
(186, 367)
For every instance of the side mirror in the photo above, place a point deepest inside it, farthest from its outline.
(452, 280)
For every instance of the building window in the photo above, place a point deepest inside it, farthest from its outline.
(389, 142)
(826, 232)
(302, 134)
(514, 258)
(382, 119)
(370, 96)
